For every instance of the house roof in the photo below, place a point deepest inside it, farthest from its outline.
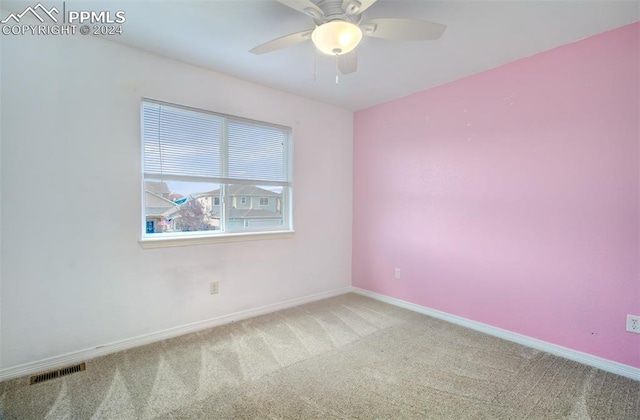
(154, 205)
(157, 187)
(245, 190)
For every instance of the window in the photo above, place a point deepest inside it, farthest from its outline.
(203, 173)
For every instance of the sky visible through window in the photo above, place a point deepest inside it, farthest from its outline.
(189, 188)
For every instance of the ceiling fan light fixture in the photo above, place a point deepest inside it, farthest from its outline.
(336, 37)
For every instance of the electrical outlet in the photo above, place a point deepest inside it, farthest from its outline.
(213, 288)
(633, 323)
(398, 274)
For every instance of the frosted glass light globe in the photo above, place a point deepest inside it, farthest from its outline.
(336, 37)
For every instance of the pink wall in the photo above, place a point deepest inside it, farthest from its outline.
(511, 197)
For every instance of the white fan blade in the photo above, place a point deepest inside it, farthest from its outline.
(402, 29)
(348, 63)
(355, 7)
(282, 42)
(307, 7)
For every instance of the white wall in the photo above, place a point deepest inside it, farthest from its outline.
(73, 274)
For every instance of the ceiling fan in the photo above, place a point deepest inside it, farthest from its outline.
(339, 29)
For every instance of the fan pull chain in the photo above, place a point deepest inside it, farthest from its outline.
(315, 59)
(337, 74)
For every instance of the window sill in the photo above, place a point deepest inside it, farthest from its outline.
(150, 243)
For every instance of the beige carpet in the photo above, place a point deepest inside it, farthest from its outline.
(345, 357)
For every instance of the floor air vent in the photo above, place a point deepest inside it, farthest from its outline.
(57, 373)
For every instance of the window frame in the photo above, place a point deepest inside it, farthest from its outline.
(227, 234)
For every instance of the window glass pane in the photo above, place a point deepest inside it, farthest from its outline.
(177, 206)
(189, 155)
(246, 211)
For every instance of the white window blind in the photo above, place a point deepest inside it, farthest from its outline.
(200, 161)
(181, 142)
(255, 152)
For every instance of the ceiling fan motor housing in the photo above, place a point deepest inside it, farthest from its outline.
(332, 10)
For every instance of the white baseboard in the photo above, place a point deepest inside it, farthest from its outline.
(86, 354)
(577, 356)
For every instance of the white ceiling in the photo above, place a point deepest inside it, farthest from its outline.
(480, 35)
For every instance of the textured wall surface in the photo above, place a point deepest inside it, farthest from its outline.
(512, 197)
(73, 274)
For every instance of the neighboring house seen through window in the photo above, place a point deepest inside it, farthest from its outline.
(206, 174)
